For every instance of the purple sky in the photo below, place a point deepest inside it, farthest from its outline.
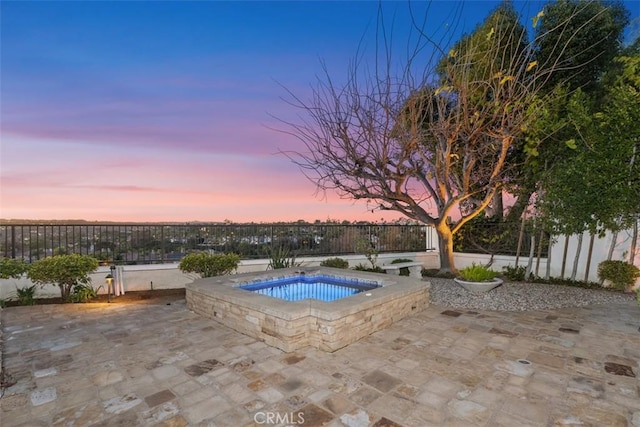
(161, 111)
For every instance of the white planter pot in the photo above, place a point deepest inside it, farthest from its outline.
(479, 287)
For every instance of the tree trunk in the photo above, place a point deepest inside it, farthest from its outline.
(520, 237)
(532, 248)
(634, 243)
(634, 236)
(547, 273)
(564, 255)
(589, 256)
(498, 205)
(445, 238)
(65, 291)
(574, 271)
(539, 254)
(614, 239)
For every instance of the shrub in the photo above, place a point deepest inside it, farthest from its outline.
(622, 275)
(368, 249)
(477, 273)
(11, 268)
(65, 271)
(26, 295)
(362, 267)
(281, 257)
(515, 273)
(209, 265)
(83, 293)
(335, 263)
(403, 271)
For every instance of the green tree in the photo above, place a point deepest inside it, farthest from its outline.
(619, 129)
(64, 271)
(427, 150)
(490, 49)
(495, 46)
(598, 188)
(591, 37)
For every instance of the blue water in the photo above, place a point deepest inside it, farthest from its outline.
(323, 288)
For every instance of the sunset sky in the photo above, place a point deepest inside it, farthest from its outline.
(162, 111)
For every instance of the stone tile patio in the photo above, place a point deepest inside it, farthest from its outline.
(157, 364)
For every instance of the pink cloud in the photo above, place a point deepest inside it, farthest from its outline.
(160, 206)
(160, 185)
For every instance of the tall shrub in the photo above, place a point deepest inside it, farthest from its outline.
(64, 271)
(621, 274)
(335, 263)
(11, 268)
(209, 265)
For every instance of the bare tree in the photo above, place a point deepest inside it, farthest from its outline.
(434, 140)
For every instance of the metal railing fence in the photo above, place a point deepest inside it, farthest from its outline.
(160, 243)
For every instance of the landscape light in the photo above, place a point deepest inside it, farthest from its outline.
(109, 280)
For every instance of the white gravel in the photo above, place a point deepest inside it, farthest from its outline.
(518, 296)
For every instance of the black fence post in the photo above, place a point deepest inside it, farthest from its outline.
(13, 241)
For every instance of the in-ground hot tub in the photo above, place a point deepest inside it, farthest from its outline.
(375, 302)
(301, 286)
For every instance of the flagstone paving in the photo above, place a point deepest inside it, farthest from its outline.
(158, 364)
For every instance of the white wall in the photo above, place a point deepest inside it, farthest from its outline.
(601, 247)
(600, 251)
(539, 268)
(168, 276)
(463, 260)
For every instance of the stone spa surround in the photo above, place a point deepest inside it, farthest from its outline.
(289, 326)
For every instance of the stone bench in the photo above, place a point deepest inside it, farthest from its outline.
(415, 268)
